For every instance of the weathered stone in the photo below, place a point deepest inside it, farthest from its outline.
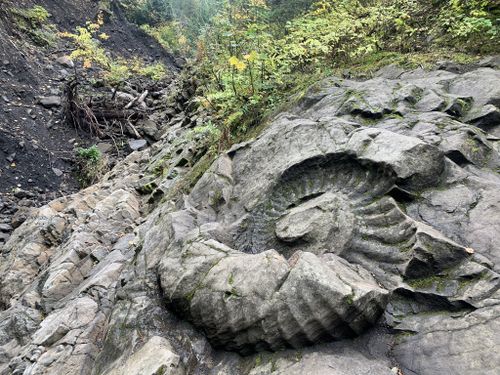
(5, 228)
(150, 129)
(249, 300)
(369, 204)
(392, 71)
(57, 172)
(137, 144)
(50, 101)
(460, 345)
(416, 163)
(155, 357)
(65, 61)
(57, 325)
(104, 147)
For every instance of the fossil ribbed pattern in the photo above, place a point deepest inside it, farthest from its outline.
(332, 225)
(365, 223)
(253, 298)
(299, 236)
(259, 302)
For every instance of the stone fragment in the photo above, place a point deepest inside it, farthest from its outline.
(104, 147)
(65, 61)
(5, 228)
(415, 162)
(57, 172)
(137, 144)
(50, 101)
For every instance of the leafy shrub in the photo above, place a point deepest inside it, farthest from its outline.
(36, 15)
(209, 133)
(34, 22)
(90, 165)
(472, 24)
(170, 36)
(249, 60)
(91, 154)
(88, 47)
(89, 50)
(154, 71)
(147, 11)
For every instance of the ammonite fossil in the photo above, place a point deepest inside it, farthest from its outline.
(298, 268)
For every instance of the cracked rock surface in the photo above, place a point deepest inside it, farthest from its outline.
(357, 234)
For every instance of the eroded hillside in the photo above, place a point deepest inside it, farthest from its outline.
(38, 143)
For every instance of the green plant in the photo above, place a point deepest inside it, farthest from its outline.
(90, 165)
(89, 50)
(147, 11)
(154, 71)
(170, 36)
(209, 133)
(248, 61)
(36, 16)
(34, 22)
(91, 154)
(473, 24)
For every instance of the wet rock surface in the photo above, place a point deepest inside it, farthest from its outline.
(358, 233)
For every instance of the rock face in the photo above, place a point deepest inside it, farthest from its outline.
(358, 233)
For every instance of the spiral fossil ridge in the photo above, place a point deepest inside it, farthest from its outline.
(297, 266)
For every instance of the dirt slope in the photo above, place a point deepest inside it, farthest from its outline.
(36, 145)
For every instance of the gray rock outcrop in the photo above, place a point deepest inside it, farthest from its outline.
(358, 233)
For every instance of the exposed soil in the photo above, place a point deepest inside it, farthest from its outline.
(36, 144)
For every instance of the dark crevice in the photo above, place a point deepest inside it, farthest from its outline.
(401, 195)
(458, 158)
(305, 199)
(429, 301)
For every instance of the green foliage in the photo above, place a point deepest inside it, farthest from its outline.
(193, 15)
(36, 16)
(91, 154)
(251, 54)
(170, 36)
(249, 60)
(147, 11)
(465, 25)
(284, 10)
(88, 47)
(34, 22)
(90, 50)
(209, 133)
(472, 24)
(154, 71)
(90, 165)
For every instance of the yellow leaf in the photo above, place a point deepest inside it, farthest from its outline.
(104, 36)
(252, 56)
(233, 61)
(205, 103)
(65, 34)
(258, 3)
(237, 63)
(87, 64)
(241, 66)
(183, 40)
